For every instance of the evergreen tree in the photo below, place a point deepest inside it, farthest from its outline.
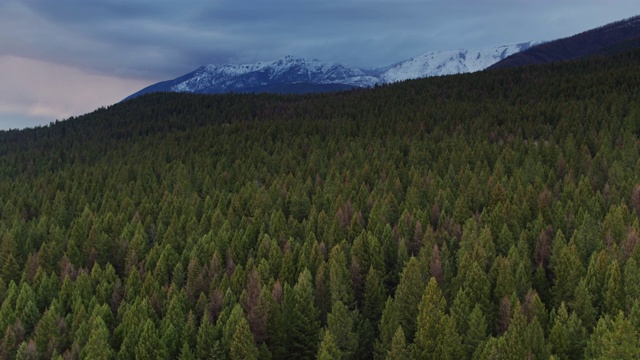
(8, 346)
(398, 350)
(10, 269)
(342, 324)
(613, 292)
(48, 334)
(449, 341)
(477, 331)
(98, 346)
(26, 308)
(242, 343)
(430, 323)
(171, 339)
(387, 328)
(582, 305)
(535, 341)
(631, 282)
(408, 296)
(339, 277)
(149, 345)
(567, 335)
(328, 348)
(302, 319)
(207, 340)
(515, 344)
(27, 351)
(568, 271)
(186, 353)
(374, 295)
(614, 339)
(229, 324)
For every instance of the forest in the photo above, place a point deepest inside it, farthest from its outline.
(492, 215)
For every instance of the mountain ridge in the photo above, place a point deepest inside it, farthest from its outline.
(618, 35)
(288, 74)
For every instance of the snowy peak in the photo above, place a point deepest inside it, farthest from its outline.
(437, 63)
(296, 74)
(289, 70)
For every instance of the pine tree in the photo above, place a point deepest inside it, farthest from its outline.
(230, 325)
(9, 270)
(27, 351)
(340, 278)
(479, 287)
(98, 346)
(614, 339)
(596, 277)
(613, 292)
(567, 335)
(341, 324)
(449, 341)
(536, 344)
(582, 305)
(631, 282)
(568, 271)
(186, 353)
(461, 310)
(429, 323)
(374, 295)
(398, 350)
(387, 327)
(515, 344)
(242, 343)
(26, 308)
(477, 331)
(302, 319)
(408, 296)
(328, 348)
(149, 345)
(48, 335)
(171, 339)
(8, 346)
(206, 339)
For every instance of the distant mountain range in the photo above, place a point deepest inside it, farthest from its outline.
(605, 40)
(299, 75)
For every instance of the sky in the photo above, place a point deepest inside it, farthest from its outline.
(65, 58)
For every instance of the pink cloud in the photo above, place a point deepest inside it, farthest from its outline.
(44, 90)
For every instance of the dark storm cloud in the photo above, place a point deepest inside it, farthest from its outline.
(161, 39)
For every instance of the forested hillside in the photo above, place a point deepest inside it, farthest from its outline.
(617, 36)
(485, 216)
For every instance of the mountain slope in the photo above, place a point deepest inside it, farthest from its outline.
(437, 63)
(618, 36)
(271, 76)
(299, 75)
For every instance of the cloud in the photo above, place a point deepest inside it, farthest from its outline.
(39, 92)
(157, 40)
(161, 39)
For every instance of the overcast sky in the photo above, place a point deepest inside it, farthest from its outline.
(67, 57)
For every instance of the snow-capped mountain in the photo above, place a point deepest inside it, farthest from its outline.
(286, 75)
(436, 63)
(286, 70)
(297, 75)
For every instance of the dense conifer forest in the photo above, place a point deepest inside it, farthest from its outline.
(483, 216)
